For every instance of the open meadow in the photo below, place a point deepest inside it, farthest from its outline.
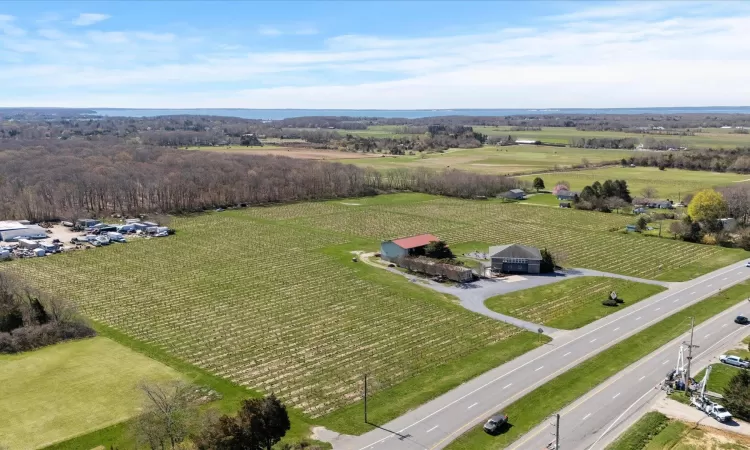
(705, 138)
(269, 297)
(670, 183)
(497, 160)
(70, 389)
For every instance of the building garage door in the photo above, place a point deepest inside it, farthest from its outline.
(515, 267)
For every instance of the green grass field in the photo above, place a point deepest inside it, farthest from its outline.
(536, 406)
(269, 298)
(670, 183)
(720, 376)
(641, 433)
(497, 160)
(64, 390)
(571, 303)
(710, 138)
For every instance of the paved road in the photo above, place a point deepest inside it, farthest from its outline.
(472, 295)
(598, 418)
(438, 422)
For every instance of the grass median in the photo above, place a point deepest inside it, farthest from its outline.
(531, 409)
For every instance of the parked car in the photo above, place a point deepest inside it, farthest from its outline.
(742, 320)
(734, 361)
(748, 264)
(496, 423)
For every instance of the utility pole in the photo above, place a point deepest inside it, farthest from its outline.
(555, 445)
(689, 358)
(366, 398)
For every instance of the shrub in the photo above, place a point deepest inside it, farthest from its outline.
(610, 302)
(709, 239)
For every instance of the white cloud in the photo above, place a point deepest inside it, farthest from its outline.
(50, 33)
(108, 37)
(155, 37)
(266, 30)
(86, 19)
(581, 62)
(8, 28)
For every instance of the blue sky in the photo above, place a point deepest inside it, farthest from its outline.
(400, 55)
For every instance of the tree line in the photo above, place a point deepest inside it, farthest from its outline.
(717, 160)
(52, 180)
(30, 319)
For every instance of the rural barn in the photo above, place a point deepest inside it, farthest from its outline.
(10, 231)
(515, 258)
(514, 194)
(402, 247)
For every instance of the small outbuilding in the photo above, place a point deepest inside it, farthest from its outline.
(515, 258)
(514, 194)
(567, 195)
(728, 224)
(403, 247)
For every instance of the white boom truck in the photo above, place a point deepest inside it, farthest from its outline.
(713, 409)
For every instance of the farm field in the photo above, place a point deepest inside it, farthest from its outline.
(710, 138)
(670, 183)
(269, 298)
(572, 303)
(655, 431)
(70, 389)
(497, 160)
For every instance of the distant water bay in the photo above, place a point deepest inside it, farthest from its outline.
(277, 114)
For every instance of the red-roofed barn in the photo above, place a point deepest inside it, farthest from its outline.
(398, 248)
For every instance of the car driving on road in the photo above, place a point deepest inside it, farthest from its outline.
(742, 320)
(734, 361)
(496, 423)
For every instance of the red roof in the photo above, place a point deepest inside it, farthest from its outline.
(415, 241)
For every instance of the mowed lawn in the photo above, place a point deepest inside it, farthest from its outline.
(670, 183)
(64, 390)
(571, 303)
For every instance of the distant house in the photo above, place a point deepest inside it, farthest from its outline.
(567, 195)
(514, 194)
(515, 258)
(525, 141)
(408, 246)
(728, 224)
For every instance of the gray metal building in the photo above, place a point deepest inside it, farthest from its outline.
(515, 258)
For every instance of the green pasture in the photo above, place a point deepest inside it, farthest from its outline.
(572, 303)
(72, 388)
(709, 138)
(670, 183)
(498, 160)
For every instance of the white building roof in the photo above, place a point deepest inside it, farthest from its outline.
(6, 225)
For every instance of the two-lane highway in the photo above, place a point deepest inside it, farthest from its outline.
(436, 423)
(592, 421)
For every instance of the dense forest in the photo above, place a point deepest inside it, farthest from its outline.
(54, 179)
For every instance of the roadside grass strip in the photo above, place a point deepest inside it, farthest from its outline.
(536, 406)
(571, 303)
(642, 432)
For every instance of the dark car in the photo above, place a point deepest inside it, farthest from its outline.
(496, 423)
(742, 320)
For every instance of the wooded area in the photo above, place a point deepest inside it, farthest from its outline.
(55, 179)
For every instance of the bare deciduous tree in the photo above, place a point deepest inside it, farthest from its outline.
(169, 416)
